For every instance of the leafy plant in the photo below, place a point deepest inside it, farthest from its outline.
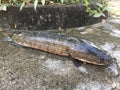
(101, 7)
(101, 4)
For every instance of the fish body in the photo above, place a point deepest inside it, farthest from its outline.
(62, 45)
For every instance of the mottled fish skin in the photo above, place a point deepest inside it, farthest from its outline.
(63, 45)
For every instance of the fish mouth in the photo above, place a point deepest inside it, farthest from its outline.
(105, 60)
(101, 58)
(101, 63)
(96, 60)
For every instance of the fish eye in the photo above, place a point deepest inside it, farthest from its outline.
(101, 58)
(102, 61)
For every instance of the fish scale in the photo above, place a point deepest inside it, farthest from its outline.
(62, 45)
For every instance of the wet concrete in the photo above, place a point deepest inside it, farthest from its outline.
(29, 69)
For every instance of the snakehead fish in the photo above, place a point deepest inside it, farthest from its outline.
(62, 45)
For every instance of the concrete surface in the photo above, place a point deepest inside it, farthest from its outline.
(28, 69)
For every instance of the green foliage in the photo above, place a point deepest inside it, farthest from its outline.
(101, 7)
(3, 7)
(22, 5)
(35, 4)
(101, 4)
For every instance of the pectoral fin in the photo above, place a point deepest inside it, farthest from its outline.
(77, 63)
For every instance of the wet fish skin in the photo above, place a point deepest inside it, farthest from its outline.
(64, 46)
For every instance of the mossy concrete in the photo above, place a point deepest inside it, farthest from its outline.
(48, 17)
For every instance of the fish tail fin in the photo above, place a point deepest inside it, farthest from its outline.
(7, 39)
(17, 45)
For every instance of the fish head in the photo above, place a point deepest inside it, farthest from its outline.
(98, 56)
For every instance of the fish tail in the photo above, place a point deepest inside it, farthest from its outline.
(7, 39)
